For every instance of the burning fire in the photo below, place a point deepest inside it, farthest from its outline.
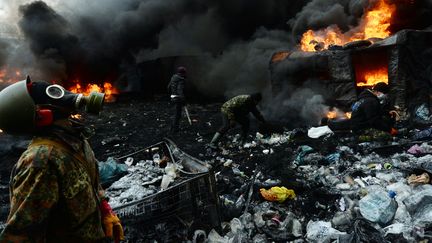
(106, 88)
(76, 116)
(375, 23)
(9, 75)
(374, 77)
(338, 114)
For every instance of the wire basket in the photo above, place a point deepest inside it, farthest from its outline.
(189, 204)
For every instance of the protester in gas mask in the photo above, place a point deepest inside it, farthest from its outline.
(54, 188)
(368, 112)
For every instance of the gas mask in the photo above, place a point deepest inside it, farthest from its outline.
(61, 103)
(63, 100)
(26, 105)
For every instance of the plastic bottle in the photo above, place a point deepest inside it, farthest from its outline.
(156, 158)
(378, 206)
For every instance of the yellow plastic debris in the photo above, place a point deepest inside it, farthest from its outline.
(277, 194)
(418, 180)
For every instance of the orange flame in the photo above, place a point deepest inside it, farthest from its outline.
(375, 23)
(374, 77)
(331, 114)
(76, 116)
(107, 88)
(338, 114)
(9, 75)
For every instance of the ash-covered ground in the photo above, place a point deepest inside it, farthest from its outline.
(336, 179)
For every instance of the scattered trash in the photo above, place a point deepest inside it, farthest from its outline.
(365, 232)
(110, 171)
(333, 158)
(321, 231)
(417, 180)
(415, 149)
(316, 132)
(422, 112)
(334, 186)
(129, 161)
(419, 206)
(378, 206)
(277, 194)
(303, 150)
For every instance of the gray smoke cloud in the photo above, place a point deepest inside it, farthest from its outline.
(345, 14)
(3, 52)
(99, 40)
(298, 106)
(319, 14)
(103, 39)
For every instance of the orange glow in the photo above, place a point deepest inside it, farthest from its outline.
(375, 23)
(279, 56)
(1, 131)
(374, 77)
(107, 88)
(338, 114)
(9, 75)
(331, 115)
(76, 116)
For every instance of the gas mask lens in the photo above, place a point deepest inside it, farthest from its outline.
(55, 91)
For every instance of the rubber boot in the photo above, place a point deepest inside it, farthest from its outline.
(214, 141)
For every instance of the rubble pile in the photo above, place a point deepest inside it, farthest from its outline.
(344, 187)
(360, 192)
(143, 179)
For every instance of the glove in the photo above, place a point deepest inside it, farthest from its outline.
(394, 132)
(111, 223)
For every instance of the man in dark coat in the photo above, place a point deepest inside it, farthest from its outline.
(367, 112)
(236, 110)
(176, 89)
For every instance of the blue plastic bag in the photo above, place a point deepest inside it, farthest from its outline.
(110, 171)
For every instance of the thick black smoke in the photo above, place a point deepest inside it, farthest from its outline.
(4, 52)
(97, 42)
(319, 14)
(104, 39)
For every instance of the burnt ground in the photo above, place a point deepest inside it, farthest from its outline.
(133, 123)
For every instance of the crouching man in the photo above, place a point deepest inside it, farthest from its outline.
(367, 112)
(236, 110)
(54, 187)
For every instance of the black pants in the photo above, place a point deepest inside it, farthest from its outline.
(227, 124)
(177, 112)
(340, 125)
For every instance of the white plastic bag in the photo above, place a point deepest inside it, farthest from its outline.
(321, 231)
(316, 132)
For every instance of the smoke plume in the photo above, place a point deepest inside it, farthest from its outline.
(103, 40)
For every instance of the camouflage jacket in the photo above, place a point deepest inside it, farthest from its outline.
(53, 193)
(240, 106)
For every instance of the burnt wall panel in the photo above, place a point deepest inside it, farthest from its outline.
(341, 71)
(397, 78)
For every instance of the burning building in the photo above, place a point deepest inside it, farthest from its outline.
(344, 63)
(402, 60)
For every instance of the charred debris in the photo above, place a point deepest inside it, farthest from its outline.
(281, 185)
